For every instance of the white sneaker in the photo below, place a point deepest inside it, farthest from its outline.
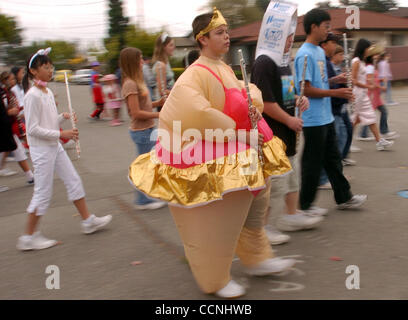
(275, 237)
(383, 144)
(151, 206)
(355, 149)
(355, 202)
(69, 145)
(392, 103)
(314, 211)
(4, 188)
(298, 221)
(270, 266)
(7, 172)
(231, 290)
(391, 135)
(368, 138)
(94, 223)
(35, 242)
(348, 162)
(325, 186)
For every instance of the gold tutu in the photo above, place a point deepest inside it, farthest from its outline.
(203, 183)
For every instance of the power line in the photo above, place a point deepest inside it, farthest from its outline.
(53, 5)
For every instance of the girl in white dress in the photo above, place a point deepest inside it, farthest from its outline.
(363, 112)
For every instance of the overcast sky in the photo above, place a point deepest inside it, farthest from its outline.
(87, 20)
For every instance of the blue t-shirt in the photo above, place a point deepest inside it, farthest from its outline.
(319, 112)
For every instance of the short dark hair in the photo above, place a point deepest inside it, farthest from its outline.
(314, 16)
(200, 23)
(361, 46)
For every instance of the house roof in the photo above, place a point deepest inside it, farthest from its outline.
(400, 12)
(369, 20)
(184, 42)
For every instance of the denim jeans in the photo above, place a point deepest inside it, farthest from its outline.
(344, 134)
(144, 140)
(388, 98)
(383, 123)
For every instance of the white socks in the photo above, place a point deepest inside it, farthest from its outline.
(29, 175)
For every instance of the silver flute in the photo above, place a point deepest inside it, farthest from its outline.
(301, 95)
(162, 84)
(348, 70)
(252, 110)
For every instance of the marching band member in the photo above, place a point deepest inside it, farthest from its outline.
(218, 204)
(48, 156)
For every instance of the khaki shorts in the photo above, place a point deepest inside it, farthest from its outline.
(288, 183)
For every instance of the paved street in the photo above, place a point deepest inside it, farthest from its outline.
(99, 266)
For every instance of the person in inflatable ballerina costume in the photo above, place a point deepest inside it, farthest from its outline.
(217, 199)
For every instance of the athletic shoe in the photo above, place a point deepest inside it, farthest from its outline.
(298, 221)
(314, 211)
(115, 123)
(383, 144)
(92, 118)
(4, 188)
(30, 182)
(94, 223)
(348, 162)
(355, 202)
(369, 138)
(151, 206)
(270, 266)
(355, 149)
(10, 159)
(391, 135)
(392, 103)
(275, 237)
(231, 290)
(69, 145)
(35, 242)
(7, 172)
(325, 186)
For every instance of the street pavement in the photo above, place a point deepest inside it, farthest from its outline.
(140, 255)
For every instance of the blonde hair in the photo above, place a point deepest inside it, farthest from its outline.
(129, 62)
(159, 54)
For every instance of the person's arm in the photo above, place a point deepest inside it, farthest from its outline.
(354, 75)
(273, 110)
(132, 101)
(313, 92)
(159, 103)
(33, 112)
(161, 78)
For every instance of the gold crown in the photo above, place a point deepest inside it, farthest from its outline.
(216, 21)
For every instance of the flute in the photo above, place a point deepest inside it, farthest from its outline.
(302, 93)
(252, 110)
(77, 145)
(348, 71)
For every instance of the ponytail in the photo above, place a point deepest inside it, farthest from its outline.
(25, 81)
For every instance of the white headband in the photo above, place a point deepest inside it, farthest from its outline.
(164, 36)
(41, 52)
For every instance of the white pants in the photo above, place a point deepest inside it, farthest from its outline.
(47, 160)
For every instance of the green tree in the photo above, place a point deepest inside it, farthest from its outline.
(9, 31)
(139, 38)
(118, 24)
(262, 4)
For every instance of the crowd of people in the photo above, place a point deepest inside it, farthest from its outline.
(221, 208)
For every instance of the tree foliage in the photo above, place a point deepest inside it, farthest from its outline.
(9, 31)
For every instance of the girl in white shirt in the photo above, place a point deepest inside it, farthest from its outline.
(48, 156)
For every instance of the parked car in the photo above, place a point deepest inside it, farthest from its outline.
(82, 76)
(60, 77)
